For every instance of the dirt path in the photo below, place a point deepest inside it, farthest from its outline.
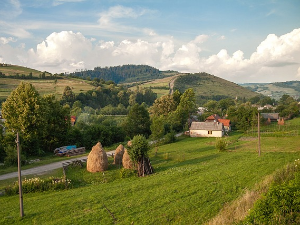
(45, 168)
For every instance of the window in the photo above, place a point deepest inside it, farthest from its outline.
(209, 132)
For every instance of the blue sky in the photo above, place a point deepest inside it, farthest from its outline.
(238, 40)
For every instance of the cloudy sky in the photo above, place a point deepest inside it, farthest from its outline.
(238, 40)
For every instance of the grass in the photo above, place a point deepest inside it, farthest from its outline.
(191, 184)
(44, 87)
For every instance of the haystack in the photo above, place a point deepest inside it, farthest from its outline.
(97, 159)
(126, 161)
(119, 155)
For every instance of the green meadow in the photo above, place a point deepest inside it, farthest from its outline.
(191, 184)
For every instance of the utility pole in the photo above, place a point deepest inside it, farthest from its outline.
(258, 133)
(19, 176)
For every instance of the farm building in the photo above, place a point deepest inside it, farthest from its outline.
(217, 118)
(206, 129)
(271, 116)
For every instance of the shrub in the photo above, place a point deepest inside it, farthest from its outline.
(221, 144)
(38, 185)
(125, 173)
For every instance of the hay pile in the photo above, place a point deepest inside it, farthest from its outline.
(126, 161)
(97, 159)
(119, 155)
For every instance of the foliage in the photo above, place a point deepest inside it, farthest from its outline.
(288, 107)
(139, 148)
(157, 127)
(280, 205)
(137, 121)
(221, 144)
(23, 111)
(125, 173)
(38, 185)
(121, 74)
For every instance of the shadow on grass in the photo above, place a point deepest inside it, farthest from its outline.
(181, 162)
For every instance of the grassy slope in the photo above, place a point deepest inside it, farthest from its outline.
(42, 86)
(192, 182)
(208, 85)
(274, 90)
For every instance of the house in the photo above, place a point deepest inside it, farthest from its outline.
(217, 118)
(270, 116)
(206, 129)
(73, 120)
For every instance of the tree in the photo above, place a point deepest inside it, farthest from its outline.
(68, 95)
(137, 121)
(163, 105)
(138, 152)
(23, 111)
(186, 106)
(157, 127)
(57, 123)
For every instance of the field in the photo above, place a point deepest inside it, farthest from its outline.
(12, 70)
(7, 85)
(191, 184)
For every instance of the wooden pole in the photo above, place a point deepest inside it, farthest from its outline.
(258, 133)
(19, 176)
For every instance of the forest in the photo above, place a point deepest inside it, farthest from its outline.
(120, 74)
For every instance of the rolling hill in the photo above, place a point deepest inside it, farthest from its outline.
(209, 87)
(43, 86)
(276, 90)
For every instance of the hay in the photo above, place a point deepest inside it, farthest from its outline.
(119, 155)
(129, 143)
(126, 161)
(97, 159)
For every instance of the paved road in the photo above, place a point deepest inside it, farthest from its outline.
(45, 168)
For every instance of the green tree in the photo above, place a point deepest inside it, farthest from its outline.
(23, 111)
(157, 127)
(68, 95)
(138, 152)
(137, 121)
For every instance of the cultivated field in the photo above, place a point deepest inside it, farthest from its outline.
(7, 85)
(191, 184)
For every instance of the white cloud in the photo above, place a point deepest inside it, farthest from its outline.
(60, 2)
(277, 58)
(4, 40)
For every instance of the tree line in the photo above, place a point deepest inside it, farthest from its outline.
(120, 74)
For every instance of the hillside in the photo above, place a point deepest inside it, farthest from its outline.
(47, 85)
(275, 90)
(209, 87)
(122, 74)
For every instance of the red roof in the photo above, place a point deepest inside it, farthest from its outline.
(225, 122)
(215, 117)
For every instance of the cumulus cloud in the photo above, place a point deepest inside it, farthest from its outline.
(277, 58)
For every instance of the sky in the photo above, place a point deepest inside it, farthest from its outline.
(243, 41)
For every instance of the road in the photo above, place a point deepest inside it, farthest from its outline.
(45, 168)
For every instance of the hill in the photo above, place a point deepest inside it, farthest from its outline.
(122, 74)
(50, 84)
(210, 87)
(276, 90)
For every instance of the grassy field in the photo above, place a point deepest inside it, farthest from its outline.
(12, 70)
(7, 85)
(191, 184)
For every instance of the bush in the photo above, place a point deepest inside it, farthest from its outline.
(280, 205)
(38, 185)
(125, 173)
(221, 144)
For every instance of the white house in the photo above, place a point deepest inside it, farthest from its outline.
(206, 129)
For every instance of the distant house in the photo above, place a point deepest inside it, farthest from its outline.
(73, 120)
(206, 129)
(217, 118)
(270, 116)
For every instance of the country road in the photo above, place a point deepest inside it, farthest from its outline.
(45, 168)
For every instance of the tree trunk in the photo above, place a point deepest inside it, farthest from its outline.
(144, 167)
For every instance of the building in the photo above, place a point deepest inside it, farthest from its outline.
(217, 118)
(206, 129)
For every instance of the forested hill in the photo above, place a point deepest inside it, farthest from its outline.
(121, 74)
(210, 87)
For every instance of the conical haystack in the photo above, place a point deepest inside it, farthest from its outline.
(119, 155)
(127, 163)
(97, 159)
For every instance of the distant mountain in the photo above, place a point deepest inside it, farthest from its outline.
(210, 87)
(276, 90)
(121, 74)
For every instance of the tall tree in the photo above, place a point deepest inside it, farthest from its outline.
(138, 121)
(68, 96)
(22, 111)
